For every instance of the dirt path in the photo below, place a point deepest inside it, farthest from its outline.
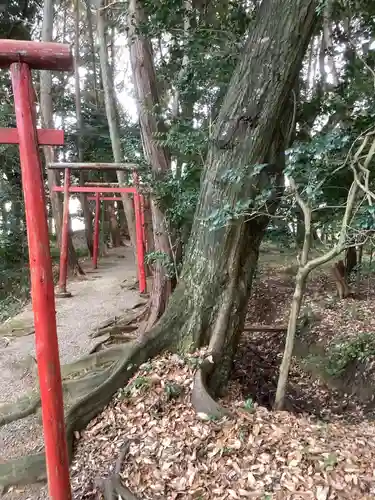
(95, 299)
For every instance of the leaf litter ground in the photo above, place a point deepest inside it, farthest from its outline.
(324, 449)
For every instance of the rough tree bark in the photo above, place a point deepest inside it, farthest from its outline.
(110, 106)
(87, 214)
(145, 85)
(210, 301)
(47, 120)
(219, 266)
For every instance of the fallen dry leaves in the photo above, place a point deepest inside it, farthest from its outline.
(257, 454)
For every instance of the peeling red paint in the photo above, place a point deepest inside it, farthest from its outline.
(46, 55)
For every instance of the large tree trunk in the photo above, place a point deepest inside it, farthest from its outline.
(145, 86)
(87, 214)
(47, 119)
(110, 106)
(210, 301)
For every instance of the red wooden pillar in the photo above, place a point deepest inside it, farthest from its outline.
(64, 249)
(42, 289)
(96, 232)
(139, 237)
(143, 222)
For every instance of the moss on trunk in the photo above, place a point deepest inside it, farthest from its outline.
(241, 185)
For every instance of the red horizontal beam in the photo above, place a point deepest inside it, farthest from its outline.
(38, 55)
(46, 137)
(106, 198)
(93, 189)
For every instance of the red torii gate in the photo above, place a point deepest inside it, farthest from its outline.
(142, 282)
(20, 56)
(98, 188)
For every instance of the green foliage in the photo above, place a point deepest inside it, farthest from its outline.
(280, 236)
(14, 290)
(55, 252)
(223, 215)
(330, 461)
(163, 259)
(314, 167)
(249, 405)
(183, 140)
(14, 273)
(172, 390)
(138, 384)
(365, 218)
(343, 354)
(178, 196)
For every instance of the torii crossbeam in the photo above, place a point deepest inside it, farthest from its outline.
(21, 56)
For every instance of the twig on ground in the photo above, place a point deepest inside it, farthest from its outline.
(112, 487)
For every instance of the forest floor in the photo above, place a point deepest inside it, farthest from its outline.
(97, 297)
(323, 449)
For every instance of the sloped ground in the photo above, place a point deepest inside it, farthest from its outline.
(98, 297)
(323, 449)
(257, 454)
(333, 321)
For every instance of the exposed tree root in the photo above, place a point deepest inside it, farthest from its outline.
(112, 340)
(205, 406)
(112, 487)
(122, 326)
(119, 324)
(22, 332)
(134, 285)
(89, 385)
(78, 271)
(100, 345)
(21, 409)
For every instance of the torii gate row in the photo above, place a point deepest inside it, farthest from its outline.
(20, 57)
(99, 188)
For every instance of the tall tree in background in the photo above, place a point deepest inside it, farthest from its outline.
(90, 33)
(112, 117)
(147, 99)
(87, 214)
(47, 119)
